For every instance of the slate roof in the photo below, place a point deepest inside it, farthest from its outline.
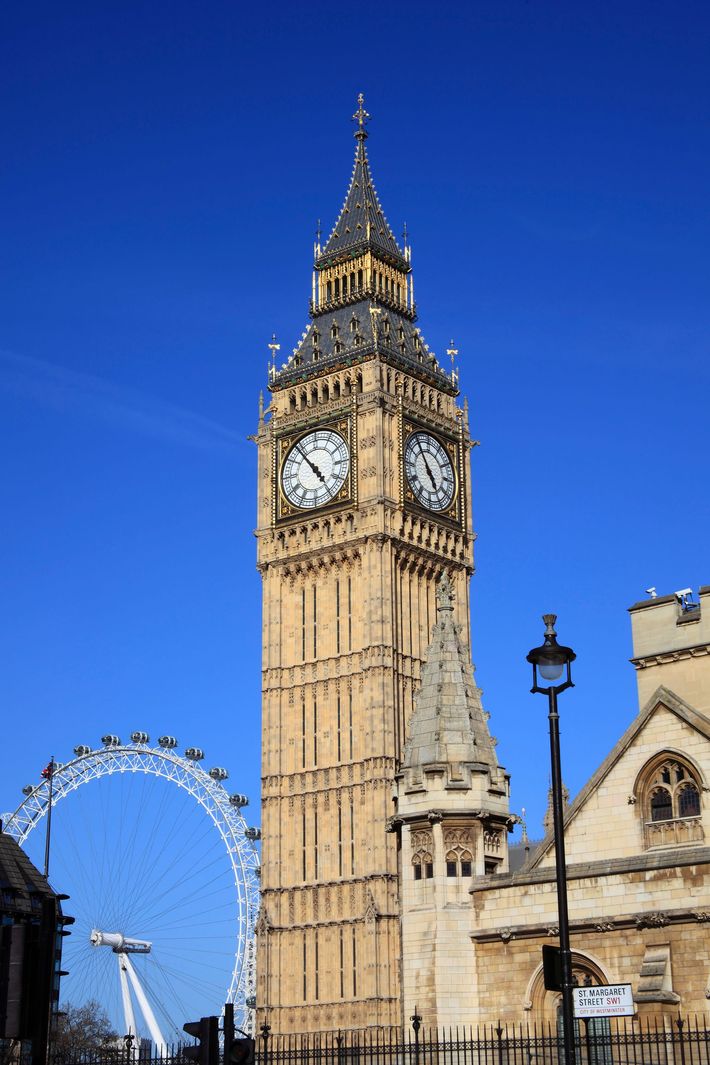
(449, 724)
(20, 881)
(350, 333)
(361, 223)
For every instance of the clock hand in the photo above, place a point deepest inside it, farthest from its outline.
(313, 466)
(428, 469)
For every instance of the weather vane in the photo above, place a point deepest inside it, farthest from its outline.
(361, 117)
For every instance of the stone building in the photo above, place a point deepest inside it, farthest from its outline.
(386, 879)
(638, 862)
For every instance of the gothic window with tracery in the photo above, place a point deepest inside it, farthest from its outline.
(459, 863)
(670, 803)
(423, 865)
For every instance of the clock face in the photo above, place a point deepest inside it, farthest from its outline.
(315, 469)
(429, 471)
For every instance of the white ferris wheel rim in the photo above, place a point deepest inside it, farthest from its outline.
(208, 792)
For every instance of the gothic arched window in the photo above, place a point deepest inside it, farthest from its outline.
(423, 865)
(669, 791)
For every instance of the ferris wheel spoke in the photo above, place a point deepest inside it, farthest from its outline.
(153, 886)
(194, 892)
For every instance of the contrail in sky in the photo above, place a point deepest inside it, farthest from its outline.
(126, 408)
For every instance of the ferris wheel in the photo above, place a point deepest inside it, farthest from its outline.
(160, 866)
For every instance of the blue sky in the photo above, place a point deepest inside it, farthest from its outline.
(163, 169)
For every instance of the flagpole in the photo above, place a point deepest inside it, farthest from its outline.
(48, 835)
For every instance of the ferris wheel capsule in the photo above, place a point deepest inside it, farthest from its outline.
(168, 742)
(252, 833)
(111, 741)
(28, 789)
(82, 749)
(195, 754)
(218, 773)
(140, 737)
(239, 800)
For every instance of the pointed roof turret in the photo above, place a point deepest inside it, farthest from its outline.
(449, 725)
(361, 224)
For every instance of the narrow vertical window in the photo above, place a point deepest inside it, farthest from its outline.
(303, 731)
(328, 290)
(352, 837)
(350, 614)
(359, 279)
(305, 969)
(339, 727)
(315, 622)
(337, 287)
(303, 624)
(354, 965)
(342, 965)
(340, 840)
(303, 847)
(315, 845)
(337, 617)
(315, 731)
(350, 720)
(315, 959)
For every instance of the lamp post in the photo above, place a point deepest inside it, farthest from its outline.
(550, 661)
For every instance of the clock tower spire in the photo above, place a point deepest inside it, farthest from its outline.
(363, 504)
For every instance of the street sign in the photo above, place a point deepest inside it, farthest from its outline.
(609, 1000)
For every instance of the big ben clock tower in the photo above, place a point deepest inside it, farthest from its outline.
(363, 504)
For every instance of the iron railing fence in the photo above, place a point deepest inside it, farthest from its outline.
(671, 1041)
(678, 1041)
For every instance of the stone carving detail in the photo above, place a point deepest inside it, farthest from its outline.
(506, 934)
(444, 593)
(371, 911)
(458, 837)
(553, 930)
(653, 919)
(422, 840)
(263, 924)
(605, 926)
(701, 915)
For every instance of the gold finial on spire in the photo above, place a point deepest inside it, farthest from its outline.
(361, 117)
(452, 352)
(273, 348)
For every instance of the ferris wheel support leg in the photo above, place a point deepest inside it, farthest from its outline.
(126, 996)
(155, 1033)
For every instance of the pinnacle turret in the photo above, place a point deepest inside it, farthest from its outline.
(361, 224)
(449, 726)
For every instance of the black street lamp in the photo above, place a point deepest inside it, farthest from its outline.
(550, 660)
